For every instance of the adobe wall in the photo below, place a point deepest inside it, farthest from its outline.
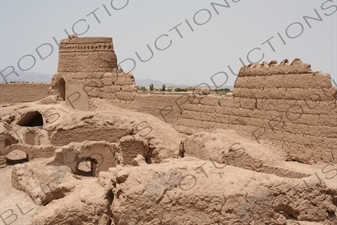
(166, 106)
(107, 85)
(25, 92)
(87, 54)
(287, 104)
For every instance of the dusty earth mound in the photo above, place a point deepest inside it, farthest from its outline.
(78, 144)
(64, 197)
(111, 166)
(177, 191)
(45, 124)
(193, 191)
(230, 148)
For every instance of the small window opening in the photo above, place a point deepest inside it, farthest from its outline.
(87, 167)
(31, 119)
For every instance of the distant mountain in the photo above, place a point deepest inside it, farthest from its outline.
(28, 77)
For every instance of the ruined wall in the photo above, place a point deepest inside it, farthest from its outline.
(63, 137)
(109, 85)
(109, 155)
(166, 106)
(88, 68)
(15, 93)
(205, 113)
(287, 104)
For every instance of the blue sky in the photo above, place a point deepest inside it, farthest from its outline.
(221, 35)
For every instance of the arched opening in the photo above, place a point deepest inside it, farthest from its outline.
(87, 167)
(61, 87)
(31, 119)
(16, 157)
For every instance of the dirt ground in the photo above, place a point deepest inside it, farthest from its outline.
(14, 93)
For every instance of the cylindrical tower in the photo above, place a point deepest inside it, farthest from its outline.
(87, 68)
(87, 54)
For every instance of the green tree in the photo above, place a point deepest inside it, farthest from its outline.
(223, 90)
(142, 88)
(178, 89)
(163, 88)
(151, 87)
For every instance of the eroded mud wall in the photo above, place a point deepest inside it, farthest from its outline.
(287, 104)
(87, 54)
(167, 107)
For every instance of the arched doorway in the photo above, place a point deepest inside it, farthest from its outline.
(16, 157)
(62, 88)
(86, 167)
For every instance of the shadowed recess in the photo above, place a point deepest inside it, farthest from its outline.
(87, 167)
(31, 119)
(61, 86)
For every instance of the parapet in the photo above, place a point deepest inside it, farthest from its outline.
(87, 54)
(271, 68)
